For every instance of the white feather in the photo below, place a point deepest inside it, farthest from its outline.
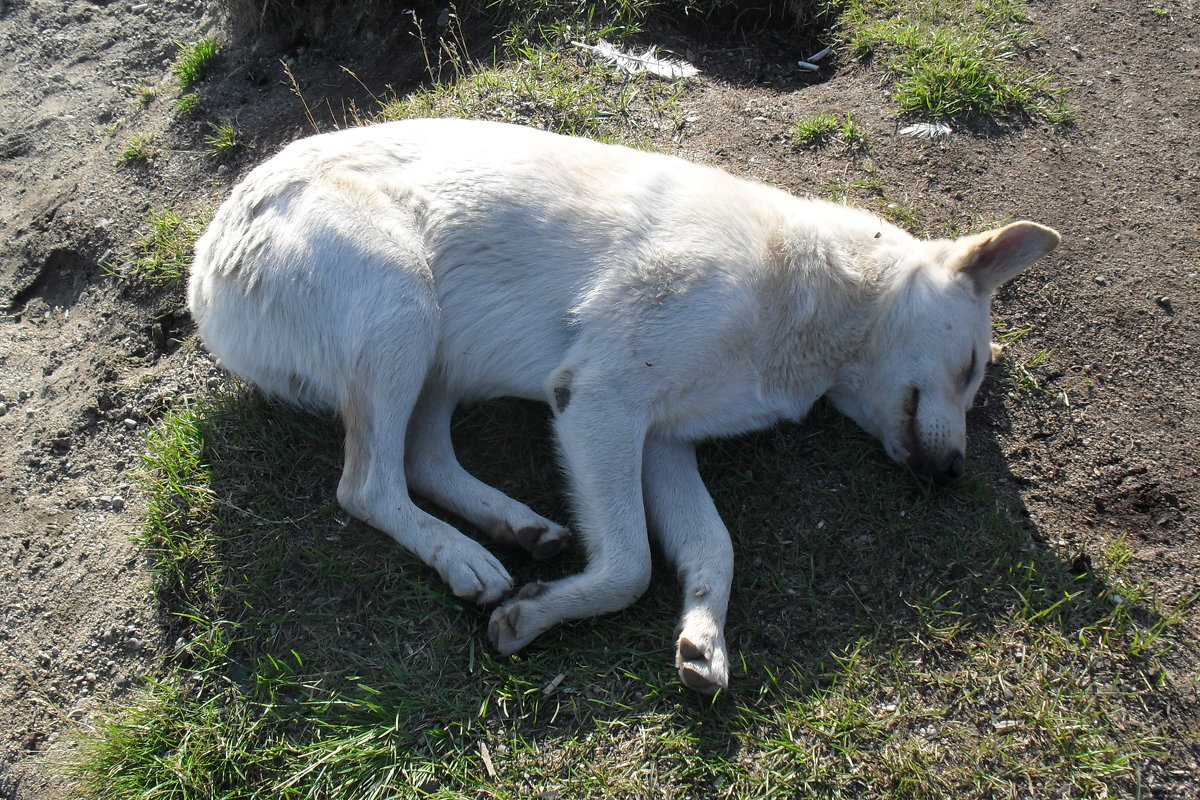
(927, 130)
(633, 63)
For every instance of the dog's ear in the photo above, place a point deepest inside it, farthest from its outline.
(989, 259)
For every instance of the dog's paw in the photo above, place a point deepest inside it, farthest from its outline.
(475, 575)
(543, 541)
(539, 537)
(519, 621)
(703, 663)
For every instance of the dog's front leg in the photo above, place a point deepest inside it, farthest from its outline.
(601, 439)
(692, 535)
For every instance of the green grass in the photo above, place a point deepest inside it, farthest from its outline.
(164, 253)
(139, 149)
(187, 102)
(550, 89)
(888, 639)
(190, 63)
(223, 140)
(815, 131)
(825, 127)
(952, 58)
(188, 68)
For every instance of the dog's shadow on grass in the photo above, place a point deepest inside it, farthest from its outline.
(849, 572)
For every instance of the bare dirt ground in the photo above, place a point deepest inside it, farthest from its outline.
(87, 363)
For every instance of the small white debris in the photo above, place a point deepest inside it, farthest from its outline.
(130, 423)
(817, 56)
(552, 686)
(487, 760)
(808, 65)
(649, 61)
(926, 130)
(1005, 725)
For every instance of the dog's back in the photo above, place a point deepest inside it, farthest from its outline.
(494, 235)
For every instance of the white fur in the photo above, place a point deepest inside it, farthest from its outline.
(392, 272)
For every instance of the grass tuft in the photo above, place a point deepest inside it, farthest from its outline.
(823, 128)
(139, 149)
(952, 58)
(223, 140)
(165, 252)
(144, 94)
(815, 131)
(187, 102)
(190, 63)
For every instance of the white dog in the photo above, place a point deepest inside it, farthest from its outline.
(395, 271)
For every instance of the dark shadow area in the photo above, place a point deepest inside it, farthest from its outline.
(838, 551)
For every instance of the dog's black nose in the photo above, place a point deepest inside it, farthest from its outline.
(952, 470)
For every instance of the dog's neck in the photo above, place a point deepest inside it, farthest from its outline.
(819, 304)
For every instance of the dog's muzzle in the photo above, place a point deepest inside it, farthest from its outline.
(943, 473)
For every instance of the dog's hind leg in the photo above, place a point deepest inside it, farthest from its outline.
(685, 521)
(601, 440)
(378, 400)
(434, 472)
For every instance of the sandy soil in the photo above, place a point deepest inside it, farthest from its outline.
(87, 363)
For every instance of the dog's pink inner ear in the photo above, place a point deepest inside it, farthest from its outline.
(994, 257)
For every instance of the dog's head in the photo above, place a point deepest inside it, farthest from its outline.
(924, 357)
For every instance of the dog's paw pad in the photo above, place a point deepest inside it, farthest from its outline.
(702, 668)
(550, 544)
(521, 619)
(502, 628)
(542, 541)
(690, 651)
(696, 680)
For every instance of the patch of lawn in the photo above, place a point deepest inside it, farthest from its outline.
(550, 89)
(164, 253)
(888, 639)
(952, 58)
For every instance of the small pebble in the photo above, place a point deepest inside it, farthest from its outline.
(130, 423)
(3, 409)
(117, 503)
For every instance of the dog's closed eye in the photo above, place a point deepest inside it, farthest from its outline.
(970, 373)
